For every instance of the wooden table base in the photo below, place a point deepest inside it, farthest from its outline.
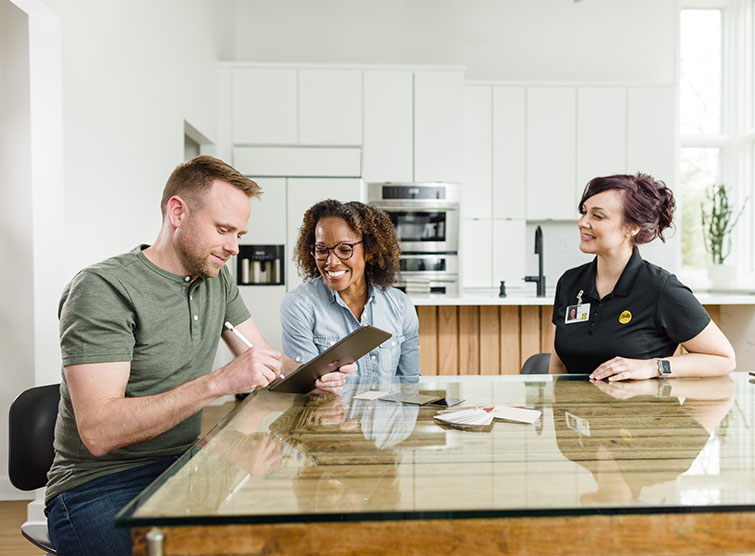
(652, 534)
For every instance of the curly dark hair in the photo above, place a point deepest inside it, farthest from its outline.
(374, 226)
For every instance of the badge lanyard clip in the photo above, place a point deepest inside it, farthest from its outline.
(579, 297)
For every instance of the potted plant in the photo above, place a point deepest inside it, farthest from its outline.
(718, 220)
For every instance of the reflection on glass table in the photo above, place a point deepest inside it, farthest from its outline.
(598, 449)
(642, 433)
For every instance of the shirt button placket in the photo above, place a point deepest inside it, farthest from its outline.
(195, 336)
(593, 321)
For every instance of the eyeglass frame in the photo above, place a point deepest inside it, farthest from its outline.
(333, 250)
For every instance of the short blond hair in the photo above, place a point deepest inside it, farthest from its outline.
(193, 177)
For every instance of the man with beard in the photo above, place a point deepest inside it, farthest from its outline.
(138, 336)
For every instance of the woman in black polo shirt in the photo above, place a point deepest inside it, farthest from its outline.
(620, 317)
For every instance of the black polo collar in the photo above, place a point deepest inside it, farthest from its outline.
(626, 281)
(629, 275)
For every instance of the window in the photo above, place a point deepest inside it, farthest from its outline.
(699, 167)
(700, 111)
(700, 76)
(716, 108)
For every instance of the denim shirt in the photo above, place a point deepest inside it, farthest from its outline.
(314, 317)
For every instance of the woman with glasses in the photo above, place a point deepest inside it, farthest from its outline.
(350, 255)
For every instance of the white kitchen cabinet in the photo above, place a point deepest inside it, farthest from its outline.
(493, 250)
(477, 191)
(265, 107)
(264, 304)
(388, 127)
(330, 107)
(601, 133)
(509, 152)
(224, 135)
(267, 219)
(290, 106)
(476, 252)
(298, 161)
(551, 153)
(651, 132)
(509, 251)
(302, 194)
(438, 127)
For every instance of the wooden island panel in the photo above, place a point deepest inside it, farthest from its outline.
(487, 339)
(650, 534)
(480, 339)
(470, 340)
(448, 341)
(490, 340)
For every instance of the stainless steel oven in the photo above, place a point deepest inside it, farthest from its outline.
(426, 274)
(425, 215)
(426, 219)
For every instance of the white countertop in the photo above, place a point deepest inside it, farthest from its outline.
(526, 296)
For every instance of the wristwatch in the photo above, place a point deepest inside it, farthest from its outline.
(664, 368)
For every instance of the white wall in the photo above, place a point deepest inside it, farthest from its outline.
(16, 285)
(550, 40)
(132, 73)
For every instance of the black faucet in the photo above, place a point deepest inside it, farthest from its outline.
(540, 278)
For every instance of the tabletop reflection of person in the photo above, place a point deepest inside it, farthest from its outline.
(238, 452)
(312, 436)
(352, 444)
(607, 429)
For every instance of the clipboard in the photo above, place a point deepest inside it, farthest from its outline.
(346, 350)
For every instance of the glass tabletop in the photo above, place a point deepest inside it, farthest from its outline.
(637, 447)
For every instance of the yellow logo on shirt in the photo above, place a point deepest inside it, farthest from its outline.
(625, 317)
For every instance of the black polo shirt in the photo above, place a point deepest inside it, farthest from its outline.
(648, 314)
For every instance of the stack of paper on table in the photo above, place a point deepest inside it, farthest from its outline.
(403, 397)
(483, 416)
(470, 417)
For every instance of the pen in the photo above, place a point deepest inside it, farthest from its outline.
(239, 335)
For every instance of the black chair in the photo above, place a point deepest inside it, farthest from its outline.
(31, 421)
(536, 364)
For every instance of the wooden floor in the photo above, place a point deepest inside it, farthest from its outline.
(12, 515)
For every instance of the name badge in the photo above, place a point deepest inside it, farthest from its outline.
(577, 313)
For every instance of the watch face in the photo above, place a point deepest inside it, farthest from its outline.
(664, 366)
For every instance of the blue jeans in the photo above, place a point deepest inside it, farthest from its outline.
(80, 520)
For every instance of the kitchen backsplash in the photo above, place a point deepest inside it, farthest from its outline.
(561, 251)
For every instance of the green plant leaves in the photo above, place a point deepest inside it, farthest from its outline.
(718, 222)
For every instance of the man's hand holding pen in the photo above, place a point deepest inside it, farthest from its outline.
(255, 368)
(262, 364)
(265, 361)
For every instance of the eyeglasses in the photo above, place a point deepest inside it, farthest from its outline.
(343, 250)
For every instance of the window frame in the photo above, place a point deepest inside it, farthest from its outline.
(736, 140)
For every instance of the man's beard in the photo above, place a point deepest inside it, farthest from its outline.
(195, 261)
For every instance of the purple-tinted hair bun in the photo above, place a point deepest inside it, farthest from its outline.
(648, 203)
